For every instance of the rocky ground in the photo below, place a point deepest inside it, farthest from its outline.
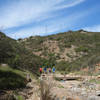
(75, 90)
(63, 90)
(32, 91)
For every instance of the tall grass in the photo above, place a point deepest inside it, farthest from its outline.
(45, 91)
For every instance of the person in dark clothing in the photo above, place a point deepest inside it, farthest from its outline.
(45, 69)
(49, 70)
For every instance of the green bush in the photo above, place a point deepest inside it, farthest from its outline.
(82, 49)
(63, 66)
(11, 80)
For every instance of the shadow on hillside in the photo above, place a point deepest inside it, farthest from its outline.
(10, 80)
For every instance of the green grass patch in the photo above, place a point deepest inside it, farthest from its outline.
(20, 98)
(11, 78)
(60, 86)
(57, 78)
(97, 81)
(80, 73)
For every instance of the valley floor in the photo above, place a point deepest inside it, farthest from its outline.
(86, 89)
(68, 90)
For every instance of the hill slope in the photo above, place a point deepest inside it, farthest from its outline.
(74, 49)
(17, 56)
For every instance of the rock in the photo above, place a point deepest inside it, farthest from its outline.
(98, 76)
(93, 98)
(22, 93)
(30, 93)
(98, 93)
(70, 98)
(29, 85)
(15, 97)
(64, 98)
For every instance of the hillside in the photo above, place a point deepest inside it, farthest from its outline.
(68, 51)
(76, 49)
(17, 56)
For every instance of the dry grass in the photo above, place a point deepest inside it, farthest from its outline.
(46, 87)
(45, 91)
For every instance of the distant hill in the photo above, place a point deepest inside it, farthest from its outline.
(74, 49)
(68, 51)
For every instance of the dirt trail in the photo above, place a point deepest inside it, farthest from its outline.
(31, 92)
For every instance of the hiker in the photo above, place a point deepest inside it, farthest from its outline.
(40, 70)
(49, 70)
(53, 69)
(45, 69)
